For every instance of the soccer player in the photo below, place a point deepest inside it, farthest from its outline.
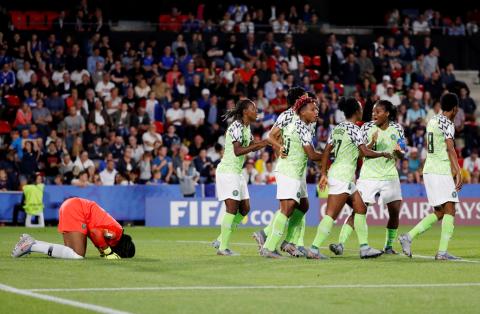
(346, 142)
(290, 170)
(296, 223)
(78, 219)
(230, 184)
(442, 178)
(379, 175)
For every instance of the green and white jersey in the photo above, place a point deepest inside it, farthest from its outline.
(345, 138)
(289, 116)
(439, 128)
(296, 135)
(236, 132)
(381, 168)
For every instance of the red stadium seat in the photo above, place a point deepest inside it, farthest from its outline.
(317, 61)
(318, 86)
(37, 20)
(13, 100)
(314, 75)
(51, 16)
(307, 60)
(159, 127)
(19, 20)
(5, 127)
(340, 88)
(163, 20)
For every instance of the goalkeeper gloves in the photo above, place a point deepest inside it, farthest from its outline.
(108, 254)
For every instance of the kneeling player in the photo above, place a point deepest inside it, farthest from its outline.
(78, 219)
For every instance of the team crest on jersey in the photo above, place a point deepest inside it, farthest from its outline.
(454, 194)
(84, 226)
(393, 137)
(235, 193)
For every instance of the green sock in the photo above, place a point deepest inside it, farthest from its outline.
(299, 236)
(226, 231)
(390, 236)
(236, 221)
(269, 228)
(323, 231)
(447, 231)
(275, 236)
(345, 233)
(360, 225)
(293, 224)
(423, 225)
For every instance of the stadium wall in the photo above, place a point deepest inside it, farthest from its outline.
(164, 206)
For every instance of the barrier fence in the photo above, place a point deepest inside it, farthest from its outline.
(164, 206)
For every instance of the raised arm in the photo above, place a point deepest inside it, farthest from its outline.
(239, 150)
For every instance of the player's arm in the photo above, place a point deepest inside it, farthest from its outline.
(373, 141)
(312, 153)
(452, 155)
(239, 150)
(367, 152)
(275, 138)
(324, 164)
(98, 237)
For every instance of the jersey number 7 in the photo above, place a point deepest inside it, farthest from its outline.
(336, 144)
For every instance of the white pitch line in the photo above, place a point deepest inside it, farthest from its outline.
(366, 286)
(82, 305)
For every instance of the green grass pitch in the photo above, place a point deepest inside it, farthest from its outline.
(181, 257)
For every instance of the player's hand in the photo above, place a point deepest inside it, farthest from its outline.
(283, 152)
(387, 155)
(322, 184)
(111, 256)
(458, 181)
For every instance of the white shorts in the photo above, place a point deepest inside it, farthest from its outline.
(290, 188)
(339, 187)
(440, 189)
(231, 186)
(389, 190)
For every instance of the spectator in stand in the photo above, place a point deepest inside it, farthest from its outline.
(330, 66)
(467, 104)
(416, 115)
(150, 137)
(435, 110)
(188, 177)
(249, 172)
(434, 86)
(194, 119)
(420, 26)
(472, 162)
(272, 86)
(126, 164)
(457, 28)
(107, 176)
(366, 66)
(391, 96)
(23, 118)
(163, 163)
(448, 77)
(82, 163)
(407, 51)
(350, 73)
(280, 25)
(430, 63)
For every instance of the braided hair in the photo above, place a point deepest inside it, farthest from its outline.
(237, 112)
(302, 102)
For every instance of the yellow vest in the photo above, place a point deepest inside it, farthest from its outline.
(33, 198)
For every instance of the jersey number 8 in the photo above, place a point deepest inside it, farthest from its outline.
(430, 142)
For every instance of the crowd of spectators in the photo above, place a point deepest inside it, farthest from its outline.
(412, 22)
(84, 113)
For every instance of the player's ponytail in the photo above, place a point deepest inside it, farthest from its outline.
(237, 111)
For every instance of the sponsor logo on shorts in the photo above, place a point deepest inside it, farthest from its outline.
(349, 186)
(235, 192)
(454, 194)
(84, 226)
(298, 194)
